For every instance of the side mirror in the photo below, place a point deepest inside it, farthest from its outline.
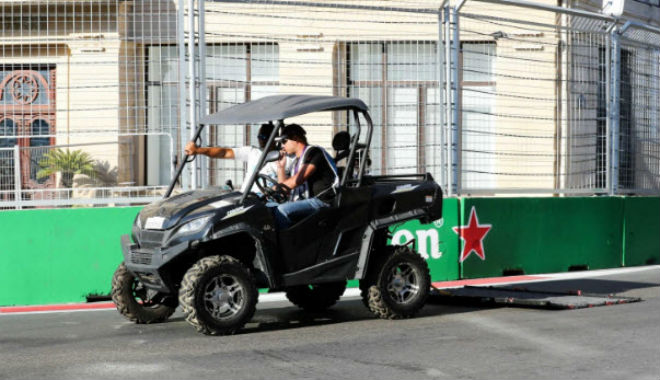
(273, 155)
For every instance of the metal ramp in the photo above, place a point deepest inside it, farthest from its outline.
(522, 297)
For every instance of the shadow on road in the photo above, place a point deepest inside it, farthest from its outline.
(278, 318)
(345, 311)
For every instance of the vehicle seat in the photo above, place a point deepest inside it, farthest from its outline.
(341, 144)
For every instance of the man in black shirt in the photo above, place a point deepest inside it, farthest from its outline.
(313, 180)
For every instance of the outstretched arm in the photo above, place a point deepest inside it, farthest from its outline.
(214, 151)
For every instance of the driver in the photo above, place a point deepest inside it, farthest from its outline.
(247, 154)
(314, 177)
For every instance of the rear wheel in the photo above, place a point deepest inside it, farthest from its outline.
(136, 302)
(397, 285)
(316, 297)
(218, 295)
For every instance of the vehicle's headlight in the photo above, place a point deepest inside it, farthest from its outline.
(194, 225)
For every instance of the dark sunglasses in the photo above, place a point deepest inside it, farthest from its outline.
(262, 137)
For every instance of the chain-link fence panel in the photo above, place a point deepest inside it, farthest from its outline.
(491, 97)
(85, 173)
(84, 71)
(533, 100)
(638, 131)
(384, 53)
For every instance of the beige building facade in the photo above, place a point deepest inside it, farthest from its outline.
(531, 84)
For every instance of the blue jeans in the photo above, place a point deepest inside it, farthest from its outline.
(286, 214)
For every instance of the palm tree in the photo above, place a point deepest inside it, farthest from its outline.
(66, 162)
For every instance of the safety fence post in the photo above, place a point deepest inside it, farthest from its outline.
(442, 98)
(455, 101)
(203, 163)
(192, 85)
(183, 107)
(613, 115)
(17, 177)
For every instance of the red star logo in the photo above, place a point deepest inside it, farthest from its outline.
(473, 234)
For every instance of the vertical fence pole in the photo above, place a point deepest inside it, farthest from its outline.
(608, 111)
(614, 115)
(17, 177)
(448, 102)
(455, 128)
(441, 98)
(192, 86)
(204, 173)
(183, 108)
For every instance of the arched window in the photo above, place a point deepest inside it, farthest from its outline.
(27, 110)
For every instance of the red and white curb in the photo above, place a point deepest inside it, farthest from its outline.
(352, 292)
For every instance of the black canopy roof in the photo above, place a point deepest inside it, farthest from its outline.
(278, 107)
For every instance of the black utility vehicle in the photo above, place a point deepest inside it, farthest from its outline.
(210, 250)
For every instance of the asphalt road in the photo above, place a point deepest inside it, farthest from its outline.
(613, 342)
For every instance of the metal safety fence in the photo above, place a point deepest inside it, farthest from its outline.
(636, 142)
(570, 110)
(77, 174)
(489, 96)
(75, 74)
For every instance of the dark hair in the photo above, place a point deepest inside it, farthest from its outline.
(264, 131)
(295, 132)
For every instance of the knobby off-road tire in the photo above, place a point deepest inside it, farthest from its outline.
(218, 295)
(127, 290)
(397, 284)
(316, 297)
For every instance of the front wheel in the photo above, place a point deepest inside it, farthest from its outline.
(397, 285)
(136, 302)
(218, 295)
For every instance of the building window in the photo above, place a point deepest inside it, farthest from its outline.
(235, 73)
(478, 117)
(27, 119)
(627, 120)
(399, 82)
(162, 111)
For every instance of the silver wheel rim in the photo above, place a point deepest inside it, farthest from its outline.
(403, 283)
(224, 297)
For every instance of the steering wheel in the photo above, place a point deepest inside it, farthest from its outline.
(279, 194)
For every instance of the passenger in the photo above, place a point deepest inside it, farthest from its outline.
(313, 177)
(247, 154)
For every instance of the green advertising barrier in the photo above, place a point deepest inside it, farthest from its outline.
(641, 224)
(60, 255)
(506, 236)
(63, 255)
(436, 242)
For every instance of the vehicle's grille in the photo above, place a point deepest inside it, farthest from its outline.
(143, 258)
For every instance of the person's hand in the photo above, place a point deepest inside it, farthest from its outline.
(281, 163)
(191, 148)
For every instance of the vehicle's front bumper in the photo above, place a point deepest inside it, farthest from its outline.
(145, 263)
